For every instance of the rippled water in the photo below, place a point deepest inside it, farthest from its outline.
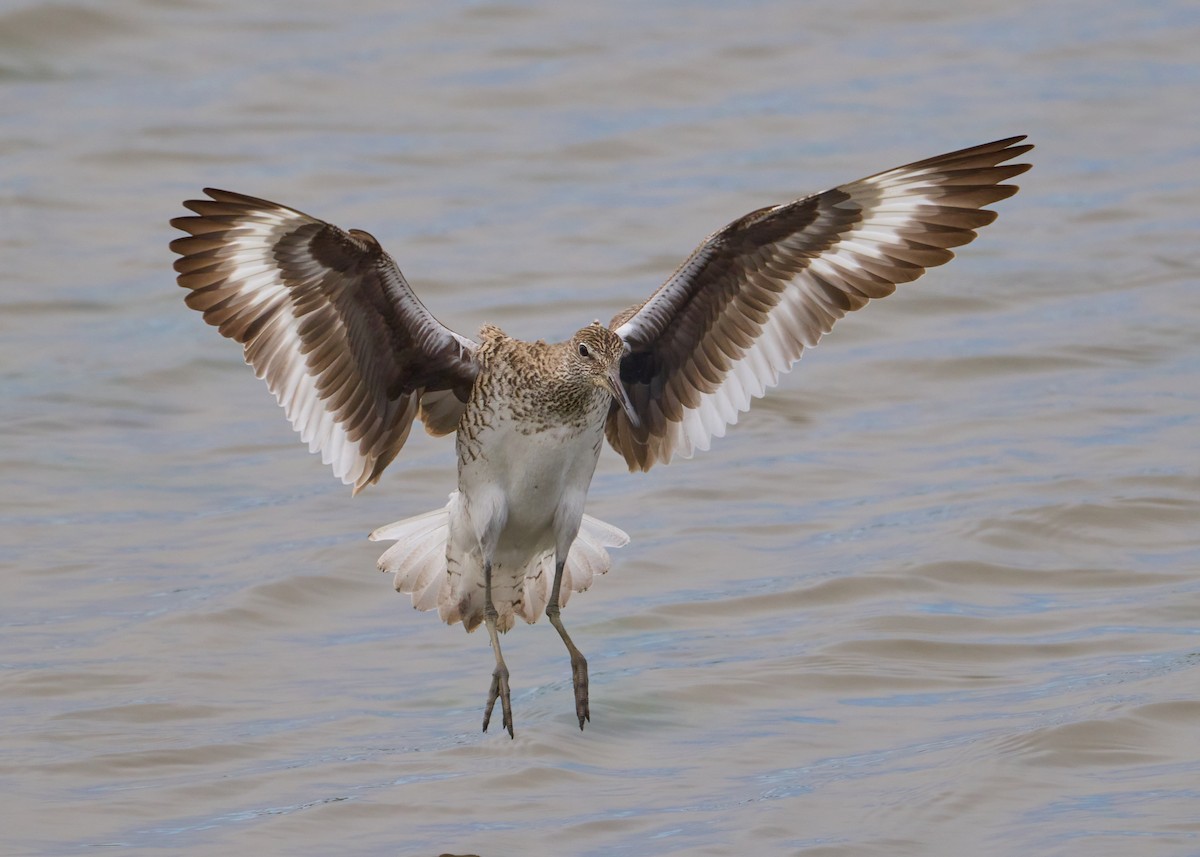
(939, 594)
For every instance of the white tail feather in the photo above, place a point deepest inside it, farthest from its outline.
(418, 561)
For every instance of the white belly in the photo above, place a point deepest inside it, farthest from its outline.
(527, 489)
(521, 500)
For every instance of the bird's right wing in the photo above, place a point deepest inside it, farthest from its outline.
(328, 321)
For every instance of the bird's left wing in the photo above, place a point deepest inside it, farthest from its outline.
(328, 321)
(749, 300)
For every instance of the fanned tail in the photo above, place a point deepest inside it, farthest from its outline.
(418, 561)
(585, 560)
(418, 558)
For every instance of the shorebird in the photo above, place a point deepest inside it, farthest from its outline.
(328, 321)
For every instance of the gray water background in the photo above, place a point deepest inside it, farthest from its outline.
(938, 594)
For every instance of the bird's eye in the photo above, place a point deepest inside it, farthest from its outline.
(583, 351)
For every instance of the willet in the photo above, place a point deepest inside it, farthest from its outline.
(354, 357)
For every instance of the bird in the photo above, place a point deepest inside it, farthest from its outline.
(327, 319)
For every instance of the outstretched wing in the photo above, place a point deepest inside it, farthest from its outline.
(328, 320)
(750, 299)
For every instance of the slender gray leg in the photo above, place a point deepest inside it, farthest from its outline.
(579, 673)
(500, 674)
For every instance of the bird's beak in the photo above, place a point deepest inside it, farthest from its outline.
(613, 383)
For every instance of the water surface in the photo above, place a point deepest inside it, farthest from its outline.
(937, 594)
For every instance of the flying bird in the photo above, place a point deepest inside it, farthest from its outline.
(351, 353)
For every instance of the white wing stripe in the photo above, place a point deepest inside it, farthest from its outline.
(803, 315)
(303, 298)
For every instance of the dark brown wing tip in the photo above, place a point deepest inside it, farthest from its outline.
(1017, 169)
(1007, 143)
(995, 152)
(218, 195)
(180, 245)
(1011, 143)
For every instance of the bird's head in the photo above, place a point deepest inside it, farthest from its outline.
(595, 353)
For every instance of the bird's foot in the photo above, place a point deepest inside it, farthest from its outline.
(500, 689)
(579, 677)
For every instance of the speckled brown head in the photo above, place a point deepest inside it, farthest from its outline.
(595, 352)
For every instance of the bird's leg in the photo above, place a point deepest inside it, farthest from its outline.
(579, 673)
(500, 674)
